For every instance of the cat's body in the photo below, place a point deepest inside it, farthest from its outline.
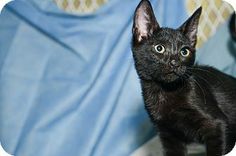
(194, 107)
(187, 103)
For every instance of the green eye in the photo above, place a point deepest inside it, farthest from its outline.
(185, 52)
(159, 48)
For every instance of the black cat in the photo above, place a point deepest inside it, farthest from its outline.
(186, 102)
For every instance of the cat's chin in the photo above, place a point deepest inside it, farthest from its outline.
(169, 78)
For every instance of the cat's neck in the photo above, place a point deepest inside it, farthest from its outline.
(158, 86)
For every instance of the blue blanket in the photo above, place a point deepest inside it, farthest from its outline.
(68, 84)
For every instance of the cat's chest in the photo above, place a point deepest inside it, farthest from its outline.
(164, 105)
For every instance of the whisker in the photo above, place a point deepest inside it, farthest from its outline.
(197, 83)
(209, 72)
(196, 68)
(202, 79)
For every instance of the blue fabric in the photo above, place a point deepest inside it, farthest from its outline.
(68, 84)
(219, 51)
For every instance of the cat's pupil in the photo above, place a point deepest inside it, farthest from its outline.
(184, 52)
(159, 48)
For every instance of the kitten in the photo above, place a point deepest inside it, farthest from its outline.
(186, 102)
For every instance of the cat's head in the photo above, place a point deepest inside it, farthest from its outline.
(162, 54)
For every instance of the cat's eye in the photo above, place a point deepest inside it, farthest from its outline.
(185, 52)
(159, 48)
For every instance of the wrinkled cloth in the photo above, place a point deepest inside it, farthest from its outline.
(68, 84)
(219, 51)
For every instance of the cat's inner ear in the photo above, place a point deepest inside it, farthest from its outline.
(190, 27)
(144, 21)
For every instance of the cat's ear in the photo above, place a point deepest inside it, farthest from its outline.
(144, 21)
(190, 27)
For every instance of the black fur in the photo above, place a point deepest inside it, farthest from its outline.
(232, 26)
(186, 102)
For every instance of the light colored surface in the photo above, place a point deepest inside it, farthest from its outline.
(231, 2)
(232, 153)
(80, 6)
(3, 152)
(3, 3)
(154, 148)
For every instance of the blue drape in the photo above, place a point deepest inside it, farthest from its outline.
(219, 51)
(68, 84)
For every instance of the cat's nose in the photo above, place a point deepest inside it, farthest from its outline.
(174, 63)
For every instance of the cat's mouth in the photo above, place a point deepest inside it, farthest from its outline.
(173, 75)
(177, 73)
